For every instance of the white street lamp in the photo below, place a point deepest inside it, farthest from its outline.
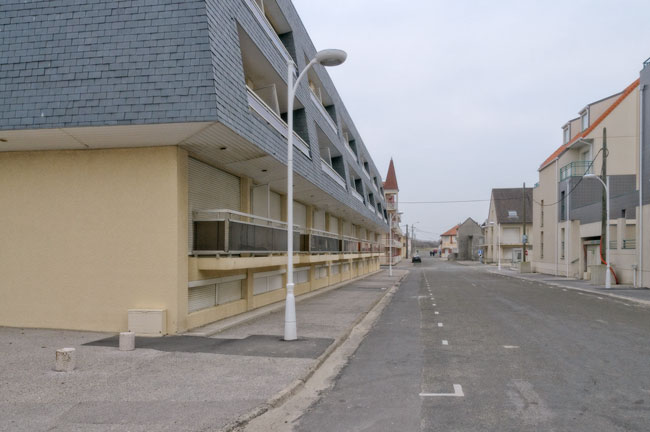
(328, 57)
(498, 242)
(608, 276)
(390, 244)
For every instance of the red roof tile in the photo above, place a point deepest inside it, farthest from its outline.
(599, 120)
(451, 232)
(391, 179)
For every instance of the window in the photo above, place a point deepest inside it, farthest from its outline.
(541, 244)
(542, 217)
(512, 214)
(563, 205)
(584, 119)
(562, 244)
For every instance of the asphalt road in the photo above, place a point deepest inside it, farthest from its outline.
(519, 356)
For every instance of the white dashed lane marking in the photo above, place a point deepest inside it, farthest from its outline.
(444, 342)
(458, 392)
(439, 324)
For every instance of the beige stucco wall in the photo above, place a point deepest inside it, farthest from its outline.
(546, 191)
(88, 234)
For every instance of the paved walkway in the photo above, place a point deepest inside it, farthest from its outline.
(181, 383)
(622, 292)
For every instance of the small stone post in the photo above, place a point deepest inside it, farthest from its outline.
(66, 360)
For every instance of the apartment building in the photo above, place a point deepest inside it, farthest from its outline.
(510, 209)
(143, 165)
(569, 208)
(395, 242)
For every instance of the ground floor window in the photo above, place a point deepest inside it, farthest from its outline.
(206, 294)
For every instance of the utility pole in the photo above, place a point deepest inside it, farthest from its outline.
(604, 227)
(407, 241)
(524, 239)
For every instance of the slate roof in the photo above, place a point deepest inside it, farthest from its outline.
(508, 200)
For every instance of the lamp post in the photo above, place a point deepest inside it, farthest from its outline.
(608, 276)
(328, 57)
(390, 244)
(498, 241)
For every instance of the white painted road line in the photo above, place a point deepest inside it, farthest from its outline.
(433, 304)
(439, 324)
(444, 342)
(458, 392)
(437, 313)
(511, 346)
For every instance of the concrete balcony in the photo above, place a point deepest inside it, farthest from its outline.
(271, 117)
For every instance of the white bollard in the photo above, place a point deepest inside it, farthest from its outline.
(66, 360)
(127, 341)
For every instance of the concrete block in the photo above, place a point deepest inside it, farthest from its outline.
(66, 360)
(525, 267)
(127, 341)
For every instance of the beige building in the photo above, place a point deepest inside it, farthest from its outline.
(568, 207)
(150, 193)
(504, 228)
(449, 242)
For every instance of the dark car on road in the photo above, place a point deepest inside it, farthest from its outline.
(416, 258)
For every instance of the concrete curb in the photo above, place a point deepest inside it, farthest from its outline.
(641, 302)
(280, 397)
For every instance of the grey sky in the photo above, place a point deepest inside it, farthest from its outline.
(470, 95)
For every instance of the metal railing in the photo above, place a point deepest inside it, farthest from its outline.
(629, 244)
(613, 244)
(576, 169)
(224, 231)
(269, 30)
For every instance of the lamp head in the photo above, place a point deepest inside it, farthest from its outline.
(331, 57)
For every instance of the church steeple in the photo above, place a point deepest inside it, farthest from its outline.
(391, 179)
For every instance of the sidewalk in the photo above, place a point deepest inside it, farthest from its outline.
(175, 383)
(621, 292)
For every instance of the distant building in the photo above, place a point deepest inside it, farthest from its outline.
(448, 242)
(391, 194)
(504, 226)
(470, 240)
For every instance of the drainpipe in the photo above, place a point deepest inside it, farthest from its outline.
(639, 280)
(557, 223)
(568, 227)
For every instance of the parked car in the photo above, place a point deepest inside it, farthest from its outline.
(416, 258)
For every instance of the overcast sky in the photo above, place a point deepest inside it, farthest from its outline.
(469, 95)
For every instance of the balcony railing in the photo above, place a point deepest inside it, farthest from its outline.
(576, 169)
(323, 111)
(371, 207)
(629, 244)
(224, 231)
(233, 232)
(613, 244)
(352, 153)
(317, 241)
(272, 118)
(332, 173)
(268, 29)
(357, 195)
